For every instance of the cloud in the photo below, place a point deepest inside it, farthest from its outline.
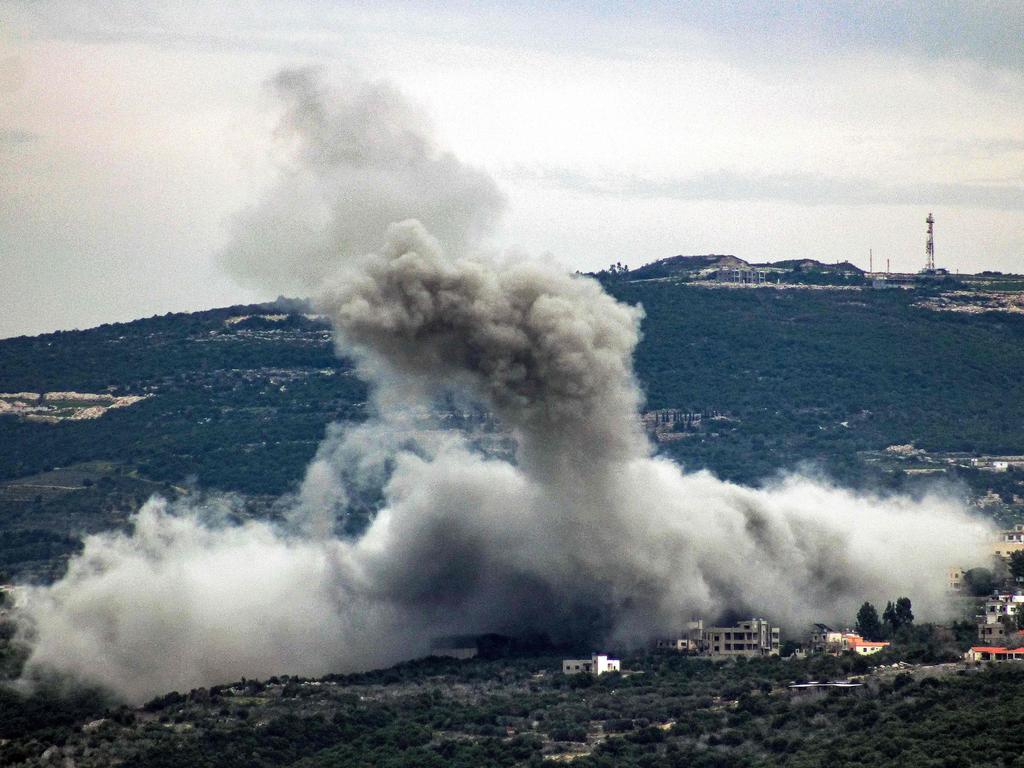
(801, 188)
(985, 31)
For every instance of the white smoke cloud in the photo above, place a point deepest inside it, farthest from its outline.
(584, 536)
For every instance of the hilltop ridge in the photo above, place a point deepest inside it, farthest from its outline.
(708, 265)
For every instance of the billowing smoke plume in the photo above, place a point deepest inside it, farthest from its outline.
(356, 160)
(584, 536)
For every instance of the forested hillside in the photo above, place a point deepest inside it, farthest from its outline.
(237, 399)
(794, 365)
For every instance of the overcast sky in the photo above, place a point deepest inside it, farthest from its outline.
(131, 133)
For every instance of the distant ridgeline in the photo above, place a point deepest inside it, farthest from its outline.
(751, 381)
(731, 269)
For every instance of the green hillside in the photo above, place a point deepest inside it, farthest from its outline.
(793, 365)
(237, 399)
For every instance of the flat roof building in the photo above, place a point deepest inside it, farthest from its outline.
(597, 664)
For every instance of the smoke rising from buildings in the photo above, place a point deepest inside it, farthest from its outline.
(585, 536)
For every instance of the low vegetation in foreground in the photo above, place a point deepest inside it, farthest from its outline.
(662, 710)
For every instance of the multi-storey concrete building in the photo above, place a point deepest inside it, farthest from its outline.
(753, 637)
(999, 617)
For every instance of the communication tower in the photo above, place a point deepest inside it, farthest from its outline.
(929, 247)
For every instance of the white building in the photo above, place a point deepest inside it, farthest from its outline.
(597, 664)
(863, 647)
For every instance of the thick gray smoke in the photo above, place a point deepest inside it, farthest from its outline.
(584, 536)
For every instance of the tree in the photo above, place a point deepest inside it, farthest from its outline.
(868, 625)
(889, 619)
(1017, 565)
(904, 614)
(979, 581)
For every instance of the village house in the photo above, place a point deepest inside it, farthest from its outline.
(994, 653)
(863, 647)
(999, 617)
(753, 637)
(955, 579)
(825, 640)
(1009, 541)
(596, 665)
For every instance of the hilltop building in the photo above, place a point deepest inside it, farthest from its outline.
(893, 280)
(596, 665)
(742, 276)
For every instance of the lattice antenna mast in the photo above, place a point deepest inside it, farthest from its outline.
(929, 248)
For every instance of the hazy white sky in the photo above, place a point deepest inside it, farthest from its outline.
(130, 133)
